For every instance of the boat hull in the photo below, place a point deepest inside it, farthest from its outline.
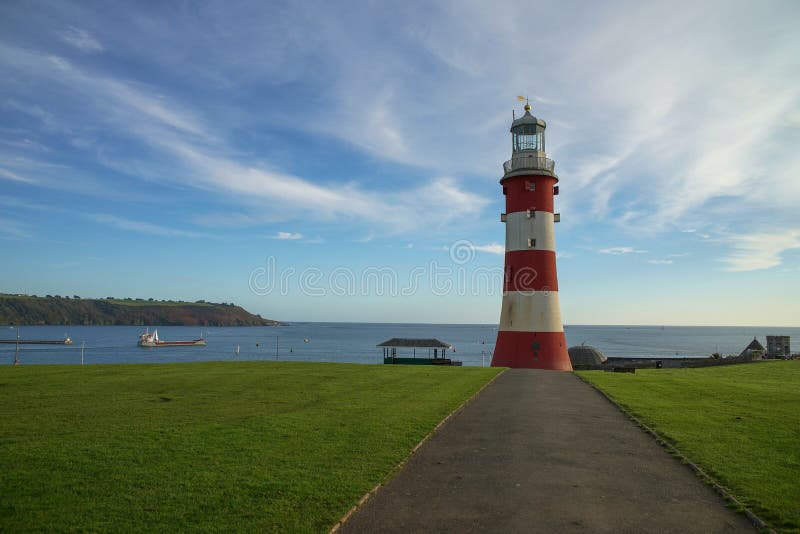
(35, 342)
(193, 343)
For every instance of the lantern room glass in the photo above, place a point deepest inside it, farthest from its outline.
(526, 137)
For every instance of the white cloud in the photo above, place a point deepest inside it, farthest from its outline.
(140, 226)
(113, 102)
(11, 229)
(399, 212)
(287, 235)
(228, 220)
(760, 250)
(616, 251)
(660, 262)
(491, 248)
(209, 162)
(427, 91)
(5, 173)
(367, 238)
(695, 232)
(46, 118)
(81, 39)
(14, 202)
(296, 236)
(459, 247)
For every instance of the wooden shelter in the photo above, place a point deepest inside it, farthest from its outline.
(431, 351)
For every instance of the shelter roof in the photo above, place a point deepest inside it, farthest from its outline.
(410, 342)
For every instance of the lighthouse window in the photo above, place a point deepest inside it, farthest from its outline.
(526, 137)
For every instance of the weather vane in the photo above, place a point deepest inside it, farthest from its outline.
(527, 104)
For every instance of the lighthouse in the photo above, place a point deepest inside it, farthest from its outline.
(530, 334)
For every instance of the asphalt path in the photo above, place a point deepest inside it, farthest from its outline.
(541, 451)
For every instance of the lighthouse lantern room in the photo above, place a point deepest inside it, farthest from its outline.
(530, 333)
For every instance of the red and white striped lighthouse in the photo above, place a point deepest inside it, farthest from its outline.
(530, 334)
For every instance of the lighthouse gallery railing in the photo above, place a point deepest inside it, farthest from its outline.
(529, 162)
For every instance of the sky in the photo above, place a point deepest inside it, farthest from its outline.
(339, 161)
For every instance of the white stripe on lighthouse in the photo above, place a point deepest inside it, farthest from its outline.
(528, 311)
(520, 228)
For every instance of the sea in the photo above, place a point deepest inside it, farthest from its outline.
(356, 342)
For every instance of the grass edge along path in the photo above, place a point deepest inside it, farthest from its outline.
(209, 446)
(759, 468)
(389, 476)
(708, 479)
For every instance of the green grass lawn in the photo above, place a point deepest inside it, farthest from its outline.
(256, 446)
(740, 423)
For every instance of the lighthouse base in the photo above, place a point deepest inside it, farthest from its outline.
(531, 350)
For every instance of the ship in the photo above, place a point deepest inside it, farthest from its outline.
(146, 339)
(66, 341)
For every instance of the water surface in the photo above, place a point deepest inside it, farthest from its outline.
(355, 342)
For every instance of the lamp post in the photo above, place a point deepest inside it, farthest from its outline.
(16, 352)
(276, 346)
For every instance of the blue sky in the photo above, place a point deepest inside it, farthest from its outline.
(209, 150)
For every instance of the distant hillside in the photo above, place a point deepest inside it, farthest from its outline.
(33, 310)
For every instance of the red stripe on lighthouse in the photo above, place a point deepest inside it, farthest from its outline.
(531, 350)
(530, 270)
(519, 197)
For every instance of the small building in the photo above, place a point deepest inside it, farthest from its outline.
(755, 350)
(416, 352)
(585, 355)
(778, 346)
